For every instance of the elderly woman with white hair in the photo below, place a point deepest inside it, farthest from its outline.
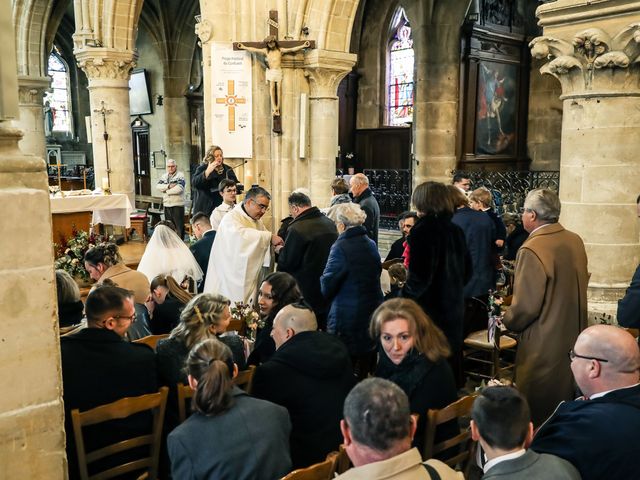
(351, 282)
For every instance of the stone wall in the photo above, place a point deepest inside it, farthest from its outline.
(544, 120)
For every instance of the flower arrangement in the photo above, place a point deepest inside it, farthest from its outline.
(245, 313)
(70, 252)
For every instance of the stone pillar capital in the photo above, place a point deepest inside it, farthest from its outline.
(31, 89)
(589, 50)
(325, 69)
(100, 63)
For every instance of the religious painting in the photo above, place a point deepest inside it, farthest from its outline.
(496, 109)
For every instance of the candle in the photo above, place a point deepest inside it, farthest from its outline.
(105, 183)
(84, 179)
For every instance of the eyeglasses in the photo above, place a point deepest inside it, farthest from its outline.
(261, 206)
(131, 318)
(573, 355)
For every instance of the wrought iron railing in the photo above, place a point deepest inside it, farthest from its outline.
(392, 189)
(510, 188)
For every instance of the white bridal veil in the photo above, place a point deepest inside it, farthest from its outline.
(166, 254)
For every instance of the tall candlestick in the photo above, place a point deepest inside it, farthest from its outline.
(84, 179)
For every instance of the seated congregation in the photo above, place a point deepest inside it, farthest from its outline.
(334, 374)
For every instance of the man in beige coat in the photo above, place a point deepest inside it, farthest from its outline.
(549, 307)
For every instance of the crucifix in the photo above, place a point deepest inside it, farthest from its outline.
(104, 112)
(60, 165)
(273, 49)
(231, 100)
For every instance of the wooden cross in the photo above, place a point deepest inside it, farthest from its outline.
(273, 49)
(231, 100)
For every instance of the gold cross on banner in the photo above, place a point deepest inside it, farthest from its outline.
(231, 100)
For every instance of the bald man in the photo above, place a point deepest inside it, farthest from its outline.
(310, 375)
(598, 432)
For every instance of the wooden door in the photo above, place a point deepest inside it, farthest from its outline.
(141, 156)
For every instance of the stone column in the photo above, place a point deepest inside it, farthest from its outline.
(592, 52)
(31, 412)
(325, 69)
(108, 71)
(30, 94)
(177, 133)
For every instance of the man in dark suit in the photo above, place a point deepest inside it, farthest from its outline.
(362, 195)
(629, 305)
(501, 423)
(598, 432)
(305, 251)
(202, 248)
(310, 374)
(99, 367)
(480, 235)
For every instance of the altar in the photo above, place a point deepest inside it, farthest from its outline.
(83, 211)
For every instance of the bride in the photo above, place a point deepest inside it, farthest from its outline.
(167, 254)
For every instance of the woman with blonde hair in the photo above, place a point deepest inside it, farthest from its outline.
(206, 181)
(215, 442)
(70, 307)
(412, 352)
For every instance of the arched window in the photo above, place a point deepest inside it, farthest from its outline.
(400, 71)
(58, 98)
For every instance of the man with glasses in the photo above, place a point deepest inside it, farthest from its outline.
(241, 248)
(598, 432)
(310, 375)
(99, 366)
(549, 306)
(172, 184)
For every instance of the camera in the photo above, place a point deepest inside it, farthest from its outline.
(239, 188)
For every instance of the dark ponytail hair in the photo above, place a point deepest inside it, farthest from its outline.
(210, 362)
(168, 282)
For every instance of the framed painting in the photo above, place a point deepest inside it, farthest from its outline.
(496, 108)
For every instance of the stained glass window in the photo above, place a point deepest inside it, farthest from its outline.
(57, 99)
(400, 78)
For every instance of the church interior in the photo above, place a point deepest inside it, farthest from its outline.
(98, 95)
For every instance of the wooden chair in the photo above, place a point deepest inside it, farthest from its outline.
(185, 392)
(151, 340)
(478, 348)
(319, 471)
(123, 408)
(462, 445)
(342, 462)
(244, 379)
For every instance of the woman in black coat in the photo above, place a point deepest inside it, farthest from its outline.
(439, 265)
(278, 290)
(165, 303)
(206, 180)
(412, 353)
(351, 282)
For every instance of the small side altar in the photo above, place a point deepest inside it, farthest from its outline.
(83, 211)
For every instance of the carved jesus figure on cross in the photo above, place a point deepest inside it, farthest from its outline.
(273, 53)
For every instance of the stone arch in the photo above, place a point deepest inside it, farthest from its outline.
(30, 20)
(330, 25)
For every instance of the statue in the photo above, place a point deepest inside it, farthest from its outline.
(49, 114)
(273, 53)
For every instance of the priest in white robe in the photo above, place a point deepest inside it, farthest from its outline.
(241, 248)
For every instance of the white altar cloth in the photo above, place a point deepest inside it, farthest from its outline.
(107, 209)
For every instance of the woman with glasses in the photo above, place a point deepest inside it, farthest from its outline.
(206, 181)
(278, 290)
(412, 353)
(230, 434)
